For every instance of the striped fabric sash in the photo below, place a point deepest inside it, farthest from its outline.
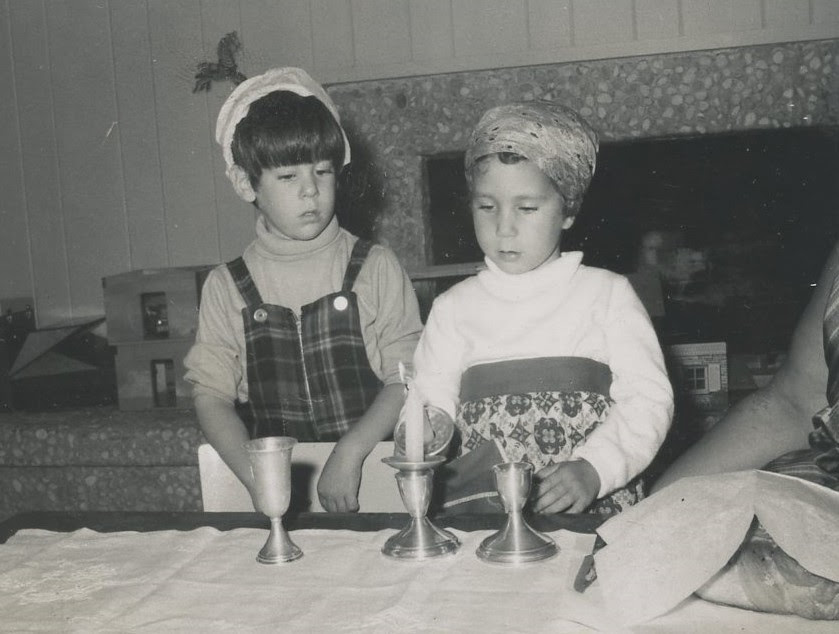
(830, 329)
(824, 439)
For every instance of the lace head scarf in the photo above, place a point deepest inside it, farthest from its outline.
(554, 137)
(236, 107)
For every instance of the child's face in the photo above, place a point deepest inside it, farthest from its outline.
(298, 201)
(518, 214)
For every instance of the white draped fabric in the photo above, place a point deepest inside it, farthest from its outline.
(205, 580)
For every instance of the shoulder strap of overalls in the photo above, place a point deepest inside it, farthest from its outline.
(244, 282)
(359, 254)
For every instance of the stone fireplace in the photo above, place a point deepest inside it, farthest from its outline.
(395, 125)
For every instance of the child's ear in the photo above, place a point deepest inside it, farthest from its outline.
(241, 183)
(568, 222)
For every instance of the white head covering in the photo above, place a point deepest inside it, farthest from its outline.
(236, 107)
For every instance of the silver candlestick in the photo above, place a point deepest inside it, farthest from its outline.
(517, 542)
(420, 539)
(271, 468)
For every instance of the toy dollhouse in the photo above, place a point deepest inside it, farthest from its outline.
(700, 372)
(151, 317)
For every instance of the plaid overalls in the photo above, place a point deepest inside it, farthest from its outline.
(308, 377)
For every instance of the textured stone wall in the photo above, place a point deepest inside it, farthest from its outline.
(393, 124)
(99, 459)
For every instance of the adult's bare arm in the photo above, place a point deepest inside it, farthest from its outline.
(777, 418)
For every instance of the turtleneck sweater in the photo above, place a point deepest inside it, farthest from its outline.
(293, 273)
(561, 308)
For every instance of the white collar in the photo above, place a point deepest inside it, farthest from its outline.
(518, 286)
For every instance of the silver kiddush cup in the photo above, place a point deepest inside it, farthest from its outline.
(271, 467)
(420, 539)
(517, 542)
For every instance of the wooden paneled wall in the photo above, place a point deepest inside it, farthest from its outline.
(108, 157)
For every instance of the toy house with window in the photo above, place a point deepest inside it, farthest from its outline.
(151, 317)
(700, 374)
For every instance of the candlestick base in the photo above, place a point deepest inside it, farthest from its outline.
(517, 542)
(420, 539)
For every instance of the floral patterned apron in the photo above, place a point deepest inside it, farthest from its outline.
(538, 411)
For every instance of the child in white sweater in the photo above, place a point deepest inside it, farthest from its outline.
(540, 358)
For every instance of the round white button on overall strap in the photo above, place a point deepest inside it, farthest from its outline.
(260, 315)
(340, 303)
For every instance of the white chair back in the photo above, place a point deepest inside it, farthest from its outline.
(378, 493)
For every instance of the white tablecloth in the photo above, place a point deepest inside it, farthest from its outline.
(205, 580)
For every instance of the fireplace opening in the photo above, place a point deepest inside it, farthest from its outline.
(736, 227)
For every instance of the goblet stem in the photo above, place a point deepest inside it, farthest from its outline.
(278, 548)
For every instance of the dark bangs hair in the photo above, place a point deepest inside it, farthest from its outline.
(282, 128)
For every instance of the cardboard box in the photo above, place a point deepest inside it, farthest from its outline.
(153, 304)
(150, 375)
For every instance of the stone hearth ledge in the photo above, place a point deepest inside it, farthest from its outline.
(99, 458)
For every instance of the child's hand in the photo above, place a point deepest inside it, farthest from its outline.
(340, 479)
(568, 486)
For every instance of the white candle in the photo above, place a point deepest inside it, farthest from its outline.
(413, 425)
(414, 419)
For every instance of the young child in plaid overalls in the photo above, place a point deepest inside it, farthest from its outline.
(303, 334)
(540, 358)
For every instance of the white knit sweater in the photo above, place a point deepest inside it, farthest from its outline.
(562, 308)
